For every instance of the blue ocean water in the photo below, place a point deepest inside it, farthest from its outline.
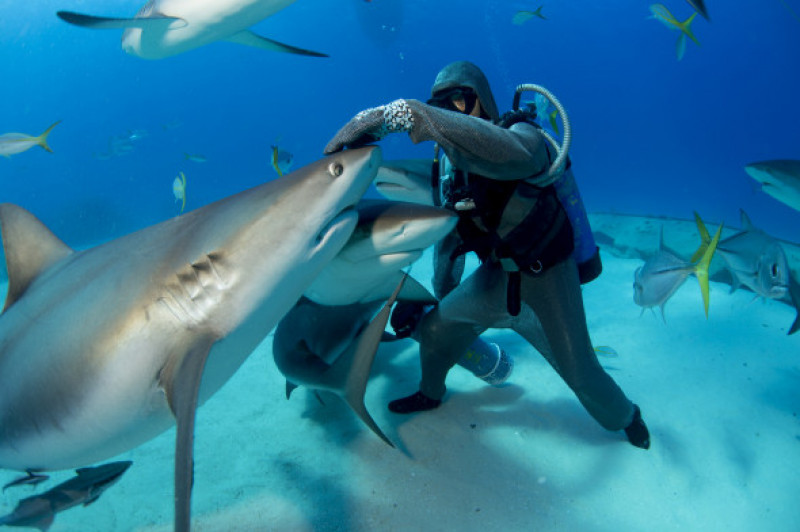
(652, 135)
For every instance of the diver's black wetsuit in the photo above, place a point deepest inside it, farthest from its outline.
(552, 315)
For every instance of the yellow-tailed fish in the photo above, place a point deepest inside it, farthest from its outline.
(553, 122)
(281, 160)
(13, 143)
(606, 351)
(661, 13)
(179, 189)
(520, 17)
(195, 157)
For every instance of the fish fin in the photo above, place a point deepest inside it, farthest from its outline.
(705, 238)
(389, 337)
(701, 269)
(680, 46)
(794, 294)
(248, 38)
(687, 29)
(108, 23)
(30, 249)
(181, 383)
(414, 291)
(663, 316)
(747, 225)
(42, 139)
(360, 364)
(290, 387)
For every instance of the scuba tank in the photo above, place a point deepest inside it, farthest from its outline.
(586, 252)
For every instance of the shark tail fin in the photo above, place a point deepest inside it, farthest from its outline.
(701, 269)
(687, 29)
(364, 354)
(41, 140)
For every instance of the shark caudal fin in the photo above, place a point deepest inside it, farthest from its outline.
(41, 140)
(701, 268)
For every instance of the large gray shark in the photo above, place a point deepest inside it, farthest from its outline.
(327, 342)
(780, 179)
(103, 349)
(163, 28)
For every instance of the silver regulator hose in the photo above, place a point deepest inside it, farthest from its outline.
(557, 168)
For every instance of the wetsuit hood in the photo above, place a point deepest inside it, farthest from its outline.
(466, 74)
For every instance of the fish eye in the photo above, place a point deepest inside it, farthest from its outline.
(336, 169)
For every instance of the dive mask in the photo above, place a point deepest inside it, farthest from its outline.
(446, 99)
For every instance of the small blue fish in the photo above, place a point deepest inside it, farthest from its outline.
(179, 189)
(195, 157)
(281, 160)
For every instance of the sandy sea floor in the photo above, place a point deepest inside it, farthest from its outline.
(720, 396)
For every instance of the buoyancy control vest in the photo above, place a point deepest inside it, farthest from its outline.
(524, 226)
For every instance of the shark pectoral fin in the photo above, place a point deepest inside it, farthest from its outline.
(181, 382)
(30, 249)
(413, 291)
(107, 23)
(360, 363)
(794, 294)
(248, 38)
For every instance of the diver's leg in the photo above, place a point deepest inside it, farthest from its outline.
(555, 296)
(446, 333)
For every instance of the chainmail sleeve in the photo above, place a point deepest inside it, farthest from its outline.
(479, 146)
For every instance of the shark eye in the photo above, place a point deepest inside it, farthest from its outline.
(335, 169)
(775, 270)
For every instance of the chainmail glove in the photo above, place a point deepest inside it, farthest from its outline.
(371, 125)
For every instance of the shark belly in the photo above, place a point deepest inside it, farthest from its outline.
(201, 22)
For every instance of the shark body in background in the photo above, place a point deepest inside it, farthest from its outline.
(757, 261)
(103, 349)
(780, 179)
(39, 511)
(164, 28)
(664, 272)
(406, 180)
(327, 341)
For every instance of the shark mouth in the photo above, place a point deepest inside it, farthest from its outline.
(346, 221)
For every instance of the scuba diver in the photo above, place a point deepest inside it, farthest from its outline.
(500, 176)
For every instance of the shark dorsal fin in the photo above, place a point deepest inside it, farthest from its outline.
(30, 249)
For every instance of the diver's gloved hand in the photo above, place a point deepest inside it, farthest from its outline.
(371, 125)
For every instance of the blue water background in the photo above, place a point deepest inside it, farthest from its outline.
(652, 135)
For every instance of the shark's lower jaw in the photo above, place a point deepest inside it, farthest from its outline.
(341, 225)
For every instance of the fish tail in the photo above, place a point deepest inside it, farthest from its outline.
(705, 238)
(687, 30)
(41, 140)
(701, 269)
